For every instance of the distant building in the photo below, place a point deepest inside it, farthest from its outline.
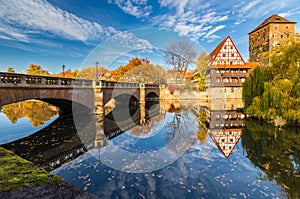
(269, 34)
(227, 71)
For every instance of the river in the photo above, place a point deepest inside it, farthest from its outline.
(162, 150)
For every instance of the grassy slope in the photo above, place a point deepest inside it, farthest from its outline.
(16, 172)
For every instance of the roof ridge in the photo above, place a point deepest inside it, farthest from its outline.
(275, 18)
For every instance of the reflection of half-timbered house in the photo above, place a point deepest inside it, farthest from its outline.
(225, 127)
(227, 70)
(226, 139)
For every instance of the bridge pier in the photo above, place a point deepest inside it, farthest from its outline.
(142, 94)
(99, 101)
(100, 138)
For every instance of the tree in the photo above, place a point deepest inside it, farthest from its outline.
(90, 72)
(273, 91)
(179, 55)
(35, 69)
(10, 70)
(202, 66)
(134, 62)
(146, 73)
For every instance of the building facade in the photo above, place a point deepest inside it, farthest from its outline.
(269, 34)
(227, 71)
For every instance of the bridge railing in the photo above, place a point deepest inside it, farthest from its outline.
(151, 85)
(109, 84)
(21, 79)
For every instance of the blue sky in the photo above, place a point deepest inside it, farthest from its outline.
(78, 33)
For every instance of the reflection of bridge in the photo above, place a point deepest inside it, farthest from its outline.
(68, 93)
(61, 141)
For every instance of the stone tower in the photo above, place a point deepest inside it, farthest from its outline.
(269, 34)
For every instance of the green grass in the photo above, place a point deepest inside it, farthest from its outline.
(16, 172)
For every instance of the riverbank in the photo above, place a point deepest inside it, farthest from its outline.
(22, 179)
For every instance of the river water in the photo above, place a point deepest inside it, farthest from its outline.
(162, 151)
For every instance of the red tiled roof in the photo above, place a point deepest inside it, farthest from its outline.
(272, 19)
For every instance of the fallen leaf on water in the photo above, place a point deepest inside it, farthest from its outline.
(284, 186)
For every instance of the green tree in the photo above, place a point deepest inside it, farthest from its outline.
(273, 91)
(202, 66)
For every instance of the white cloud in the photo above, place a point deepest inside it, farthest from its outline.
(20, 19)
(215, 29)
(120, 45)
(179, 5)
(291, 12)
(137, 8)
(192, 18)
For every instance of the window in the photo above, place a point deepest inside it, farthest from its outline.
(286, 27)
(224, 55)
(281, 36)
(275, 27)
(232, 54)
(232, 89)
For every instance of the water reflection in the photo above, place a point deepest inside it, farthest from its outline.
(216, 153)
(36, 111)
(223, 122)
(21, 119)
(276, 152)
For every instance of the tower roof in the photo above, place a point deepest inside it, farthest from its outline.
(273, 19)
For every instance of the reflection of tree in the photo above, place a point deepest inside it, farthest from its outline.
(37, 112)
(178, 131)
(202, 126)
(276, 152)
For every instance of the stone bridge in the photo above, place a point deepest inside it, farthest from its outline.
(72, 94)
